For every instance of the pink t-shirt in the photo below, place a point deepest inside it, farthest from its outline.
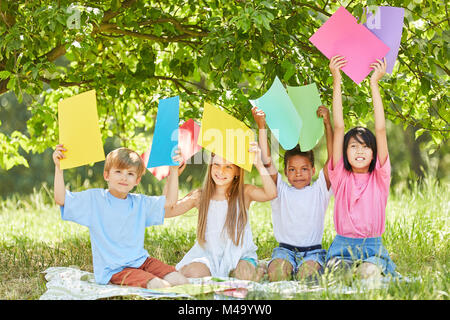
(360, 199)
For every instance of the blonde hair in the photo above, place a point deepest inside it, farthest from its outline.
(124, 158)
(235, 195)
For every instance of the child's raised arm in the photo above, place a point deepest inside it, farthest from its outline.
(380, 122)
(171, 186)
(323, 112)
(269, 189)
(336, 63)
(260, 119)
(185, 204)
(59, 189)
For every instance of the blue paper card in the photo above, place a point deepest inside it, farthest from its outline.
(165, 138)
(281, 115)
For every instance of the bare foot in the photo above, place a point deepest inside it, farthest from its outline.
(156, 283)
(176, 278)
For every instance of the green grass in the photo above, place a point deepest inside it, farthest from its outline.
(33, 237)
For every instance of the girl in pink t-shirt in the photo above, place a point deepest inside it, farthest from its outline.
(360, 176)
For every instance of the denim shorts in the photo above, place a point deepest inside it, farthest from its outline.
(296, 258)
(353, 250)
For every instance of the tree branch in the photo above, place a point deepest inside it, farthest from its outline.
(178, 26)
(112, 28)
(109, 14)
(313, 7)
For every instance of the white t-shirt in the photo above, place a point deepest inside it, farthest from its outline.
(298, 214)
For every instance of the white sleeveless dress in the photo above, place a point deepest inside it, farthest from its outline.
(219, 253)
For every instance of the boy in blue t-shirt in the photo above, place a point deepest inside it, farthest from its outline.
(117, 220)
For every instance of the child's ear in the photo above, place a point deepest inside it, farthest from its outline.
(313, 170)
(106, 175)
(138, 180)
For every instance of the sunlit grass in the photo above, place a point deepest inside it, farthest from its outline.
(33, 237)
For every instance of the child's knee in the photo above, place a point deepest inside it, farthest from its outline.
(368, 270)
(195, 270)
(279, 269)
(244, 270)
(308, 268)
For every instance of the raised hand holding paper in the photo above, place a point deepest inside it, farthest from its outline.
(165, 138)
(306, 100)
(187, 139)
(281, 115)
(226, 136)
(291, 114)
(342, 35)
(387, 25)
(187, 143)
(79, 131)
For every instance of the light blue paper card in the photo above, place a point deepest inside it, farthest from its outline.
(165, 137)
(281, 114)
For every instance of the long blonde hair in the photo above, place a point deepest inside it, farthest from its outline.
(235, 195)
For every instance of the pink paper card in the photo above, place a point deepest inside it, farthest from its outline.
(187, 142)
(342, 35)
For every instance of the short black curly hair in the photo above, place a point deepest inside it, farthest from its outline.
(297, 152)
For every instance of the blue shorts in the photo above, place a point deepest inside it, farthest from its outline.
(296, 258)
(354, 250)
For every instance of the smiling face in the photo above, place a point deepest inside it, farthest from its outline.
(223, 171)
(359, 155)
(299, 171)
(121, 181)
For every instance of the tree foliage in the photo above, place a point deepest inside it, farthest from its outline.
(134, 53)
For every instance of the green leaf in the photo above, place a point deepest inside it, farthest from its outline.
(54, 84)
(4, 74)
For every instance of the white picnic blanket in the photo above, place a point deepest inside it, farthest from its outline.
(71, 283)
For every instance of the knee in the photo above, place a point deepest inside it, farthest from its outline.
(279, 269)
(307, 269)
(244, 271)
(195, 270)
(368, 270)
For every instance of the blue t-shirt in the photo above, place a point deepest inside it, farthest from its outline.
(116, 227)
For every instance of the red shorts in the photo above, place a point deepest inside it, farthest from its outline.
(139, 277)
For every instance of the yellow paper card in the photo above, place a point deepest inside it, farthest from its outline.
(79, 131)
(226, 136)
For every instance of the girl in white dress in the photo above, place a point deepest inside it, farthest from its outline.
(224, 245)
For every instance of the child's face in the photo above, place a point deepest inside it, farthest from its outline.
(299, 171)
(223, 171)
(121, 181)
(359, 156)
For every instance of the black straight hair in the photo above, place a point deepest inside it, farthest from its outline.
(368, 138)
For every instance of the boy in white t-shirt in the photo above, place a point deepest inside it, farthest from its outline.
(299, 210)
